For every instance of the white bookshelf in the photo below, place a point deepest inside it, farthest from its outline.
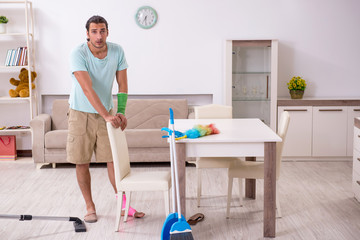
(21, 31)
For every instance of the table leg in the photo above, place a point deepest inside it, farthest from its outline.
(250, 184)
(270, 189)
(181, 156)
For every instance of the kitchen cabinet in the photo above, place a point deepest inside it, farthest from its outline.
(329, 131)
(356, 159)
(353, 112)
(299, 135)
(320, 129)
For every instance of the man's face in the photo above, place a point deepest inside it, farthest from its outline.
(97, 34)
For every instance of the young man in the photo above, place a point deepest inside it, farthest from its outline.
(94, 66)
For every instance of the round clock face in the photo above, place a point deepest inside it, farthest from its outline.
(146, 17)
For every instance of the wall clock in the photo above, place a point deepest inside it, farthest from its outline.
(146, 17)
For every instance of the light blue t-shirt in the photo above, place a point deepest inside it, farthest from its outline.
(102, 73)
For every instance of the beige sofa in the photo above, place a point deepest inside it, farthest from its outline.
(145, 117)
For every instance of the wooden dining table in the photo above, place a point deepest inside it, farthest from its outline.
(249, 138)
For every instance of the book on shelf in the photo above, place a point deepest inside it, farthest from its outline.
(16, 57)
(11, 58)
(18, 54)
(8, 56)
(24, 58)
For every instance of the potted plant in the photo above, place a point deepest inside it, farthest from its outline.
(3, 22)
(296, 87)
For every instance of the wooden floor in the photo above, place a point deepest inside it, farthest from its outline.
(315, 197)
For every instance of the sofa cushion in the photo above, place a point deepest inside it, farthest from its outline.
(59, 118)
(56, 139)
(146, 138)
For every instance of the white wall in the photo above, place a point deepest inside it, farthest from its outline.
(183, 53)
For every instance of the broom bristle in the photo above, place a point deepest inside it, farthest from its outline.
(181, 230)
(181, 236)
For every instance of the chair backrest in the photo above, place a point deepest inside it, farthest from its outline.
(282, 130)
(213, 111)
(120, 153)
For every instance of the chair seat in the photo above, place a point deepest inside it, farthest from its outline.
(146, 181)
(215, 162)
(247, 169)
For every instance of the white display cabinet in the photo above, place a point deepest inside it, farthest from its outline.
(251, 79)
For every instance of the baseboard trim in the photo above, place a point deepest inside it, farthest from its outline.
(24, 153)
(316, 159)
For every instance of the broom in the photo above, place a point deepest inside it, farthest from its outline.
(180, 229)
(172, 217)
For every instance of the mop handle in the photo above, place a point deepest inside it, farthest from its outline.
(175, 163)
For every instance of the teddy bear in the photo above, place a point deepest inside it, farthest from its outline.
(22, 85)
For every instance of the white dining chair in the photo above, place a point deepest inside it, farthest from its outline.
(211, 111)
(255, 170)
(128, 181)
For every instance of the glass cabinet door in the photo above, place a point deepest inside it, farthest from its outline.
(251, 79)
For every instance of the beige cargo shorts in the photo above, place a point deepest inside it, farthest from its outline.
(87, 135)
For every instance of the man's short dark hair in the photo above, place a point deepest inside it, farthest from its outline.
(96, 19)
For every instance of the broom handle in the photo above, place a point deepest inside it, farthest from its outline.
(172, 176)
(175, 163)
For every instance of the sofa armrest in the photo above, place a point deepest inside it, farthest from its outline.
(40, 125)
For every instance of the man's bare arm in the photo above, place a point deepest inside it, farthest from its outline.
(121, 78)
(86, 84)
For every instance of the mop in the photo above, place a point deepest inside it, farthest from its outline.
(78, 224)
(175, 225)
